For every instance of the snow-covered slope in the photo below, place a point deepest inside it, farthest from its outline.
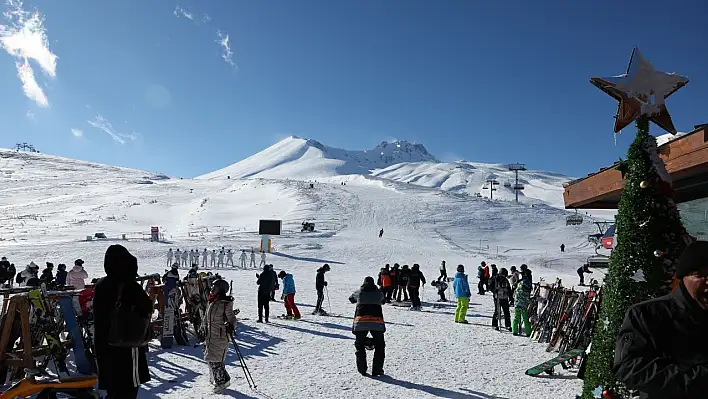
(302, 159)
(471, 178)
(49, 205)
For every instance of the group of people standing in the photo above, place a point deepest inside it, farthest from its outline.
(31, 277)
(212, 258)
(401, 282)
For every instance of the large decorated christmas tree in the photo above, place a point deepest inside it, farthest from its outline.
(649, 233)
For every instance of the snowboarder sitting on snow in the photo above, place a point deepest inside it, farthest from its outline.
(61, 275)
(368, 318)
(581, 272)
(221, 323)
(502, 293)
(385, 283)
(77, 275)
(403, 283)
(320, 284)
(441, 285)
(289, 295)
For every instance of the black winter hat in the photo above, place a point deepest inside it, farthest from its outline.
(282, 274)
(460, 268)
(693, 259)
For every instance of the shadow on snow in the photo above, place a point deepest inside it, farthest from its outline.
(304, 259)
(439, 392)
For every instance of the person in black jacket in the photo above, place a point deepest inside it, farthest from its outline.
(415, 278)
(502, 294)
(4, 270)
(660, 349)
(320, 284)
(403, 283)
(368, 318)
(275, 286)
(61, 275)
(581, 272)
(120, 370)
(395, 272)
(47, 276)
(265, 285)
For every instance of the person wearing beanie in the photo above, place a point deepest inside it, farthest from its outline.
(121, 370)
(265, 283)
(660, 349)
(368, 319)
(47, 276)
(77, 275)
(61, 275)
(320, 285)
(289, 295)
(462, 292)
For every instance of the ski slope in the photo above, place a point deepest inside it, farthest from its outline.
(50, 204)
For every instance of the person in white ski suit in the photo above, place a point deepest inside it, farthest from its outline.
(243, 258)
(169, 257)
(178, 256)
(195, 261)
(205, 255)
(185, 255)
(263, 258)
(221, 259)
(253, 259)
(213, 258)
(191, 258)
(230, 258)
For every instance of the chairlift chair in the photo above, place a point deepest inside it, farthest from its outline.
(507, 184)
(574, 220)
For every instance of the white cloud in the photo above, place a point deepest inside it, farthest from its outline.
(25, 38)
(182, 12)
(101, 123)
(226, 52)
(77, 132)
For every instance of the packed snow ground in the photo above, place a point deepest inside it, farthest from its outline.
(49, 205)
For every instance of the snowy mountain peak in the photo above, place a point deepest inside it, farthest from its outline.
(299, 158)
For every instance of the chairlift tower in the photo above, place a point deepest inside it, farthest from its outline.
(516, 167)
(490, 186)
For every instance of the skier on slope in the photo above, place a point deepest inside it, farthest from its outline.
(368, 318)
(403, 283)
(169, 257)
(253, 259)
(502, 290)
(562, 247)
(289, 295)
(220, 263)
(415, 280)
(205, 259)
(381, 233)
(221, 323)
(77, 275)
(462, 291)
(243, 258)
(263, 258)
(265, 283)
(230, 258)
(213, 258)
(195, 261)
(583, 270)
(320, 285)
(385, 283)
(443, 272)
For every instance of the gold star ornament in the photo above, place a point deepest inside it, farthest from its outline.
(641, 91)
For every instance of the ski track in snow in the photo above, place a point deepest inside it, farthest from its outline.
(50, 204)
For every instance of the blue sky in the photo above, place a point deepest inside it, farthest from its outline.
(151, 84)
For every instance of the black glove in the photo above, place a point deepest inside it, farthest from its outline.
(258, 275)
(325, 283)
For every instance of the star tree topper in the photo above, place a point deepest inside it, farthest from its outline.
(641, 91)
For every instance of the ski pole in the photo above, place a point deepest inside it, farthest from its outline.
(328, 302)
(246, 371)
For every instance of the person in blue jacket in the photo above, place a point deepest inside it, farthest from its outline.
(463, 294)
(289, 295)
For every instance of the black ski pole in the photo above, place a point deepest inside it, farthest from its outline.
(242, 361)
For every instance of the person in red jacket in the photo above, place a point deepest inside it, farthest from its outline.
(385, 283)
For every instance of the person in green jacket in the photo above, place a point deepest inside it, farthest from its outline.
(522, 298)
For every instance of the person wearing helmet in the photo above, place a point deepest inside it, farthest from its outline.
(320, 284)
(289, 295)
(220, 324)
(368, 319)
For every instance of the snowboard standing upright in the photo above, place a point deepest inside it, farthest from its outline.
(168, 318)
(83, 365)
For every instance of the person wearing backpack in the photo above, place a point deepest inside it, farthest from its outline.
(121, 367)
